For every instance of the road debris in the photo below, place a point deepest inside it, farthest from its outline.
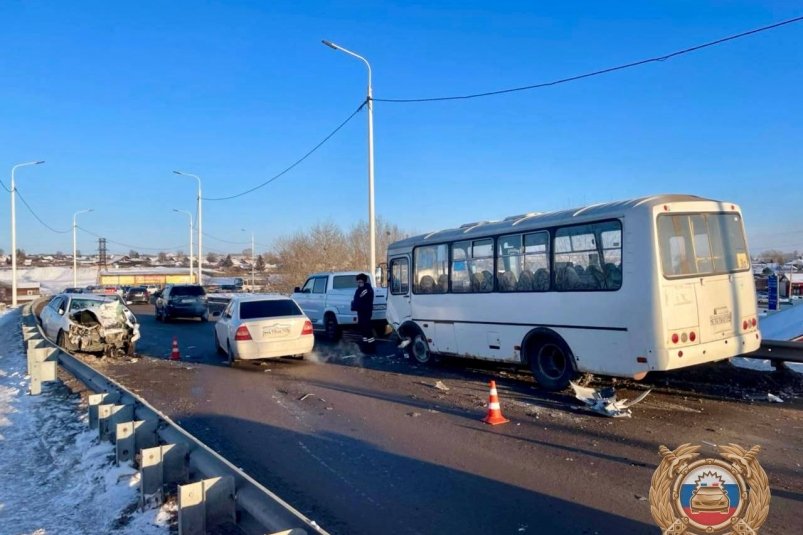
(404, 343)
(772, 398)
(603, 401)
(440, 386)
(305, 396)
(414, 414)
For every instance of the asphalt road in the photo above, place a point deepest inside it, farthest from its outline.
(367, 445)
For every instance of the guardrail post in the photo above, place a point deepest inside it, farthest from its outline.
(108, 417)
(160, 466)
(133, 437)
(96, 400)
(42, 363)
(206, 504)
(28, 332)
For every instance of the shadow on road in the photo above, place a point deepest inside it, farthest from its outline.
(350, 486)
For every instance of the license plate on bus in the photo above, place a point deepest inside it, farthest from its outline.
(276, 330)
(721, 319)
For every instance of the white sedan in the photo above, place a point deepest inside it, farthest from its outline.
(254, 327)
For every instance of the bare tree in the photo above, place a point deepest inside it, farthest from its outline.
(772, 255)
(326, 247)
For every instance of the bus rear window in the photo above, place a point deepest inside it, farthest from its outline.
(273, 308)
(701, 244)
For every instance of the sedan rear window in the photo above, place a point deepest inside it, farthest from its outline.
(273, 308)
(187, 290)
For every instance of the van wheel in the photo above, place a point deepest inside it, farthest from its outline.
(552, 363)
(419, 350)
(331, 328)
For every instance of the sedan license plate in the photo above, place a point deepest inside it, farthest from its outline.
(275, 331)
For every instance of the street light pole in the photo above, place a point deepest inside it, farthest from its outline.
(75, 245)
(253, 265)
(370, 104)
(189, 215)
(14, 231)
(200, 227)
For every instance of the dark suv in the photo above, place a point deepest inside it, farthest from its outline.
(137, 294)
(182, 300)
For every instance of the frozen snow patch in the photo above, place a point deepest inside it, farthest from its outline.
(57, 476)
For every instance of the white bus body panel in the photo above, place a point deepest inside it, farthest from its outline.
(608, 332)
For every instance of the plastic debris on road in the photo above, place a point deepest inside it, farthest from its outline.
(772, 398)
(603, 401)
(440, 386)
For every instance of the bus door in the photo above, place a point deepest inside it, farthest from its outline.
(399, 306)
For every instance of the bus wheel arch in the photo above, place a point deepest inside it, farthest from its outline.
(550, 358)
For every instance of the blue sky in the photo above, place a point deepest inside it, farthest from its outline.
(115, 95)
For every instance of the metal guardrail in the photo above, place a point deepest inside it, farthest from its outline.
(219, 492)
(778, 350)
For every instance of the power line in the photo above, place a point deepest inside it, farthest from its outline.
(294, 164)
(135, 247)
(598, 72)
(36, 216)
(226, 241)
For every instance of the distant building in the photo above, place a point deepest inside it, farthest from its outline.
(137, 276)
(26, 292)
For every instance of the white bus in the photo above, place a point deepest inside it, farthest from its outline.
(615, 289)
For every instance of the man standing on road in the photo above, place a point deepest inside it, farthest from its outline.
(363, 304)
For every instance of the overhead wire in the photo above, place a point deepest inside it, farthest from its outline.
(598, 72)
(36, 216)
(294, 164)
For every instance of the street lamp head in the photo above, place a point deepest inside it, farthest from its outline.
(178, 172)
(330, 44)
(38, 162)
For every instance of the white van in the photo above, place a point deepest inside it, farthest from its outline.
(326, 300)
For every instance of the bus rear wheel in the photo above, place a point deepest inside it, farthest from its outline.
(551, 362)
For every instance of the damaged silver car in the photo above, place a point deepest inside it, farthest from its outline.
(91, 324)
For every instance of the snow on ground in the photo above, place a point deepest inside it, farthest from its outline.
(52, 280)
(56, 477)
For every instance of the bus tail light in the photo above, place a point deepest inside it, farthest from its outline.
(242, 334)
(683, 338)
(753, 322)
(307, 329)
(680, 353)
(692, 336)
(745, 325)
(675, 338)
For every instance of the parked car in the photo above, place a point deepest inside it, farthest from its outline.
(254, 327)
(137, 294)
(326, 300)
(182, 301)
(90, 323)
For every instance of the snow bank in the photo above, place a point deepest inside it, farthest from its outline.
(52, 280)
(55, 475)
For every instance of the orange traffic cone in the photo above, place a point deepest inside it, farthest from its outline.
(494, 411)
(174, 354)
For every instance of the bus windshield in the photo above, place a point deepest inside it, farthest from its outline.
(701, 244)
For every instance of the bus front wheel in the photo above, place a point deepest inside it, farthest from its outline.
(419, 350)
(552, 364)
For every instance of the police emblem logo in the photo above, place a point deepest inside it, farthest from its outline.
(723, 496)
